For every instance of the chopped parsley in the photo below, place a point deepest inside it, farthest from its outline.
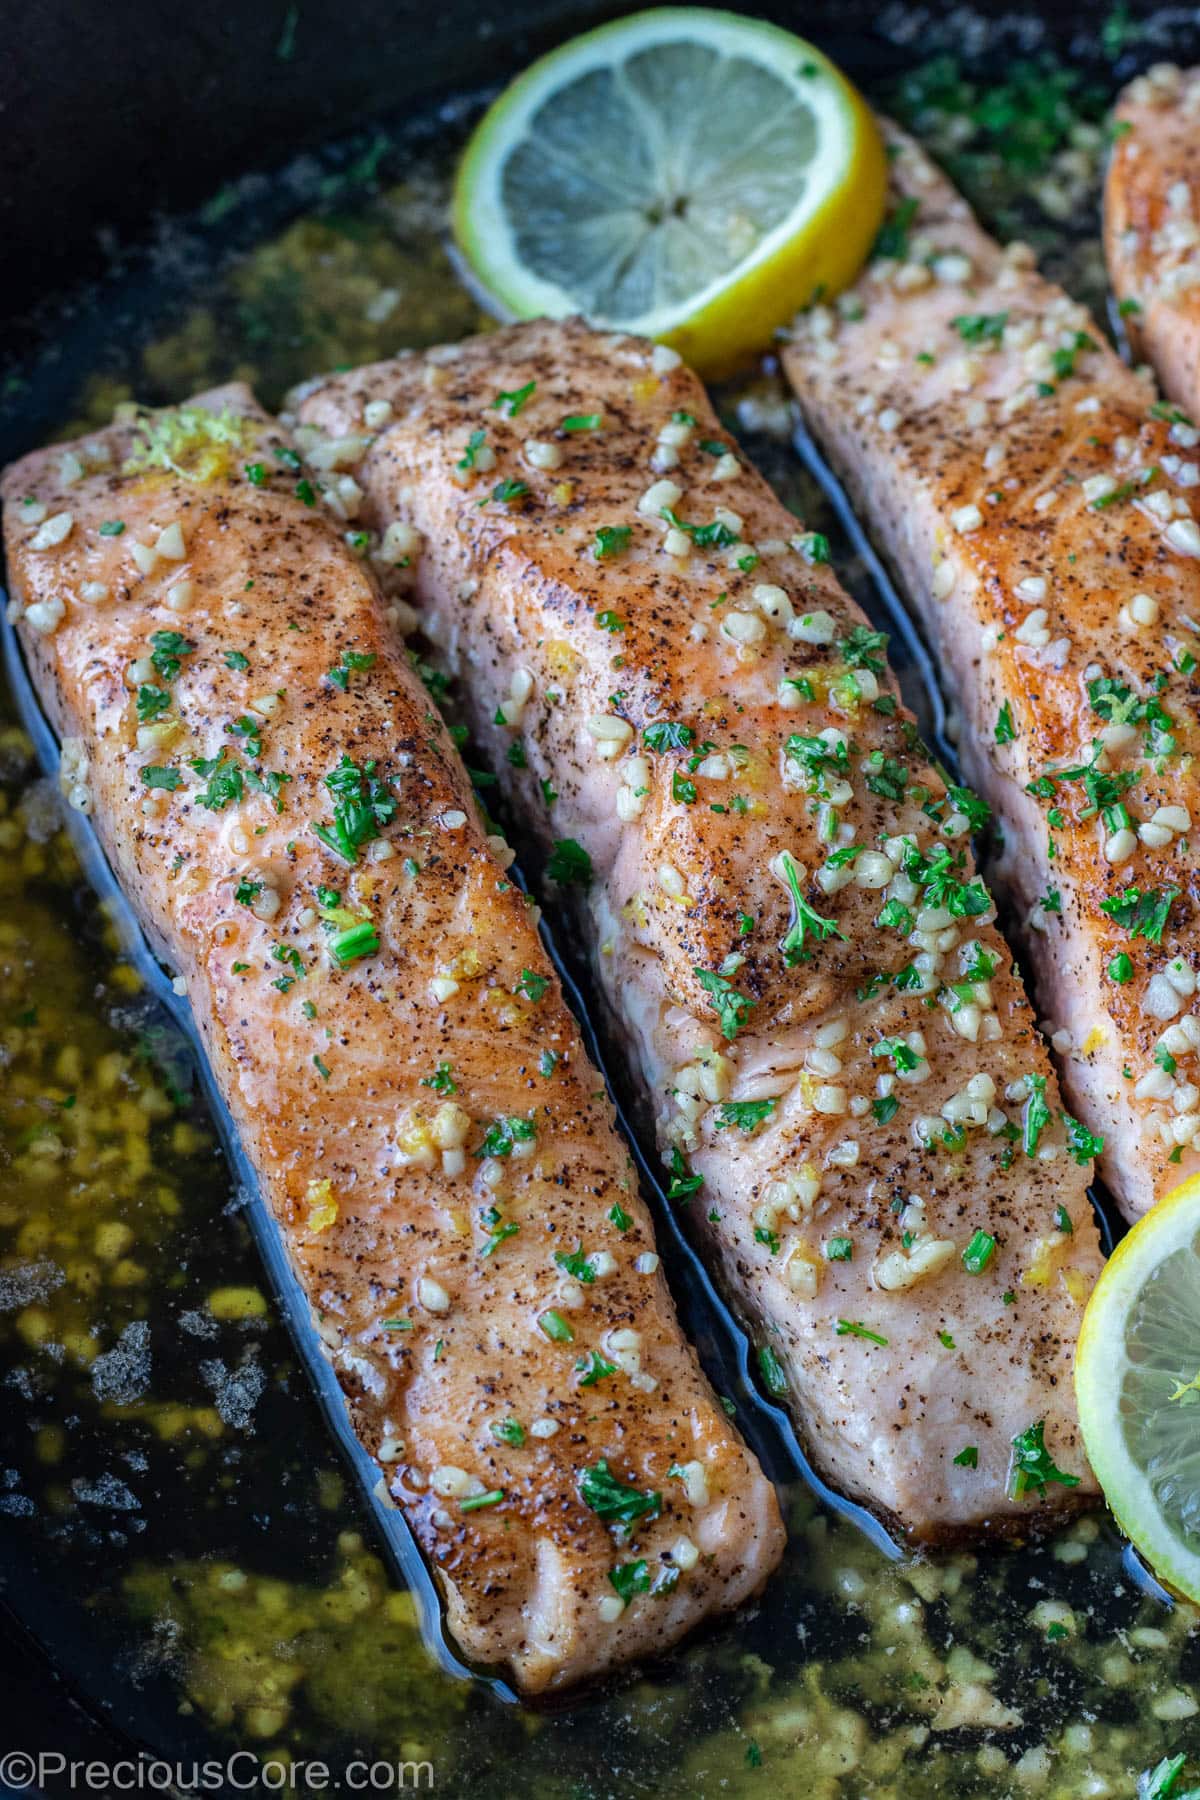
(714, 536)
(167, 649)
(610, 540)
(362, 804)
(683, 1183)
(225, 782)
(668, 734)
(352, 662)
(155, 776)
(1082, 1144)
(441, 1080)
(151, 701)
(475, 443)
(610, 1498)
(1033, 1468)
(731, 1007)
(805, 919)
(576, 1264)
(1141, 914)
(510, 404)
(502, 1134)
(569, 864)
(593, 1368)
(506, 492)
(746, 1115)
(773, 1372)
(980, 328)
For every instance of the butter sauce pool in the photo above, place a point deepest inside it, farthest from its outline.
(182, 1539)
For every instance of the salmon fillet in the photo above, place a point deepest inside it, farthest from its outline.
(291, 822)
(1037, 504)
(1152, 224)
(696, 724)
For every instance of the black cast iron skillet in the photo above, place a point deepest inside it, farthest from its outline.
(111, 116)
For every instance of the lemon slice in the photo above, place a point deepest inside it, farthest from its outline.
(1137, 1380)
(686, 174)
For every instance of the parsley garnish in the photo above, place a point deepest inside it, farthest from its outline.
(157, 777)
(593, 1368)
(853, 1328)
(746, 1115)
(510, 404)
(980, 328)
(502, 1134)
(610, 540)
(361, 804)
(1033, 1467)
(569, 864)
(732, 1008)
(1141, 914)
(508, 491)
(715, 536)
(668, 734)
(1081, 1143)
(352, 662)
(610, 1498)
(167, 650)
(805, 918)
(630, 1579)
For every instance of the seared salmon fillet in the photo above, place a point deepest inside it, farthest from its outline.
(697, 724)
(1037, 503)
(1152, 224)
(283, 806)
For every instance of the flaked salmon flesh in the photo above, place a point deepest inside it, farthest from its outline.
(1036, 500)
(697, 725)
(284, 807)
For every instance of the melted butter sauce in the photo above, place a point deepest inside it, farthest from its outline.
(186, 1546)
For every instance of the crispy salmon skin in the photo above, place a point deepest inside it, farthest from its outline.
(285, 810)
(697, 724)
(1037, 501)
(1152, 224)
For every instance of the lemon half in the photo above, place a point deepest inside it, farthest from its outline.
(686, 174)
(1137, 1380)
